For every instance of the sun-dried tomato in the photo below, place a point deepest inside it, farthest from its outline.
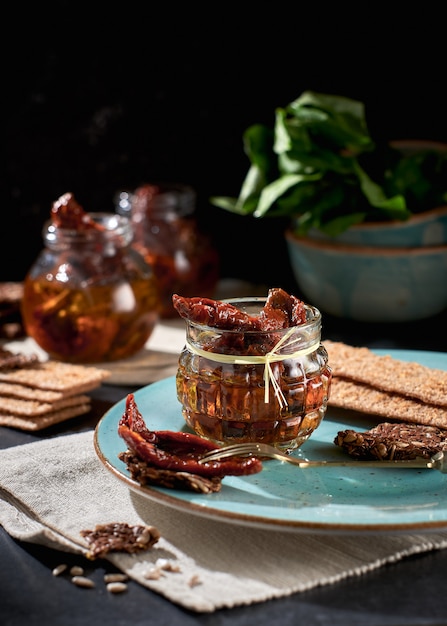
(178, 451)
(67, 213)
(214, 313)
(280, 310)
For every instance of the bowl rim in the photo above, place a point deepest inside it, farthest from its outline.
(343, 248)
(413, 220)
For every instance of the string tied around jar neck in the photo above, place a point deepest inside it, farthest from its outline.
(265, 359)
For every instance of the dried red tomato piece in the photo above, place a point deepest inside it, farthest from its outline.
(146, 474)
(280, 310)
(214, 313)
(177, 451)
(67, 213)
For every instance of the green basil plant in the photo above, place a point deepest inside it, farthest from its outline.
(320, 166)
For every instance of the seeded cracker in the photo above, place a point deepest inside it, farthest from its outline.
(388, 374)
(393, 442)
(34, 408)
(119, 537)
(14, 390)
(56, 376)
(44, 421)
(37, 396)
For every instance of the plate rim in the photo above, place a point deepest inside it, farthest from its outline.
(156, 494)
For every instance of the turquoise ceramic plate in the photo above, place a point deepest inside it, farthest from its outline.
(285, 497)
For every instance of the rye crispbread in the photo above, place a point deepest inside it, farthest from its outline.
(388, 374)
(15, 390)
(35, 395)
(35, 408)
(43, 421)
(366, 399)
(56, 376)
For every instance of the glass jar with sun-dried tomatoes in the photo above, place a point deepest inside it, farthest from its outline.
(242, 377)
(167, 233)
(89, 296)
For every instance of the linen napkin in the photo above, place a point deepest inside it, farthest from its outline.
(50, 490)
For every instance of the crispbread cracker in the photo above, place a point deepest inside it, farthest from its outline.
(13, 390)
(34, 408)
(16, 390)
(44, 421)
(355, 396)
(387, 373)
(56, 376)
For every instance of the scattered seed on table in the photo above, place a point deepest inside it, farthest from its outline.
(82, 581)
(59, 569)
(76, 570)
(116, 587)
(115, 578)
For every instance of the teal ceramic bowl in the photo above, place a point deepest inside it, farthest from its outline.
(368, 283)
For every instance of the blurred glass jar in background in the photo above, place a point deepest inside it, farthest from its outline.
(89, 296)
(166, 233)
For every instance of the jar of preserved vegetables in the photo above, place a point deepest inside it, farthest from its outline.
(253, 370)
(166, 233)
(89, 296)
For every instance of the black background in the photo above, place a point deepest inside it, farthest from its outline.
(97, 101)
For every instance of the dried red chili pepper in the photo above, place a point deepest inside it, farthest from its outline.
(177, 451)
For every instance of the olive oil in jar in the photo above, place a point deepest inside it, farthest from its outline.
(89, 296)
(226, 395)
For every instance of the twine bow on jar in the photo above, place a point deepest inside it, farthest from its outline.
(273, 356)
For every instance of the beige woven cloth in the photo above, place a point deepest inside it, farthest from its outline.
(52, 489)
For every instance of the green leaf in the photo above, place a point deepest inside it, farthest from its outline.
(394, 207)
(272, 192)
(320, 166)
